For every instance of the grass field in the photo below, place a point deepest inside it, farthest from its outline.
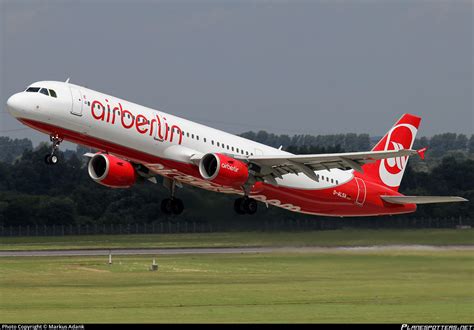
(239, 239)
(393, 286)
(389, 285)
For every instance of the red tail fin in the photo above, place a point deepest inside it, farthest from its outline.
(389, 172)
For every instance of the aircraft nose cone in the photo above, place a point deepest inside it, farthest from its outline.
(14, 104)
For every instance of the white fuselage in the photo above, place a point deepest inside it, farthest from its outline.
(108, 118)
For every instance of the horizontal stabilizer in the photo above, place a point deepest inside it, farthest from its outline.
(422, 199)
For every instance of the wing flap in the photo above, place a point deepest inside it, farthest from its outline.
(331, 158)
(422, 199)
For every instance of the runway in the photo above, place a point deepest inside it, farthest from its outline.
(237, 250)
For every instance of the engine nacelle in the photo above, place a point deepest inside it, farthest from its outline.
(111, 171)
(223, 170)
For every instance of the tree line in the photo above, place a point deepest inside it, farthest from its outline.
(33, 193)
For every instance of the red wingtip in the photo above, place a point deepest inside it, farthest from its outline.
(421, 152)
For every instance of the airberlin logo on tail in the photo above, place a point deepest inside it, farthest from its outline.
(391, 169)
(397, 164)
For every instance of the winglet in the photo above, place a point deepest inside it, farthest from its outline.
(421, 152)
(67, 80)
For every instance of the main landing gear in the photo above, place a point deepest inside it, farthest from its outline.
(245, 205)
(171, 205)
(52, 158)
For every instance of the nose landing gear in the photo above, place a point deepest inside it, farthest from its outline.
(52, 158)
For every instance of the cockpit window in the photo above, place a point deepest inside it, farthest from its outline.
(44, 91)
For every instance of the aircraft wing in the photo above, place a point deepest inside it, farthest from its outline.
(271, 167)
(422, 199)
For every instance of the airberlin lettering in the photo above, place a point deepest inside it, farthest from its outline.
(156, 127)
(230, 167)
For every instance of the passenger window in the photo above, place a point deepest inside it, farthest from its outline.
(44, 91)
(192, 136)
(187, 134)
(227, 147)
(204, 139)
(197, 137)
(232, 148)
(218, 144)
(332, 180)
(212, 142)
(247, 153)
(33, 89)
(53, 93)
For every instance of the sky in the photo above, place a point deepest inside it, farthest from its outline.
(287, 67)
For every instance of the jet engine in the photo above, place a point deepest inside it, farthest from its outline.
(111, 171)
(223, 170)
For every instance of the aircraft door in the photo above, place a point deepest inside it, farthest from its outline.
(76, 95)
(361, 191)
(258, 152)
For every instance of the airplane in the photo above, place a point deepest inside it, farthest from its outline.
(136, 142)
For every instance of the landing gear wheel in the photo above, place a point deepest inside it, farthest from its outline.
(250, 205)
(238, 206)
(53, 159)
(245, 205)
(167, 206)
(172, 206)
(177, 206)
